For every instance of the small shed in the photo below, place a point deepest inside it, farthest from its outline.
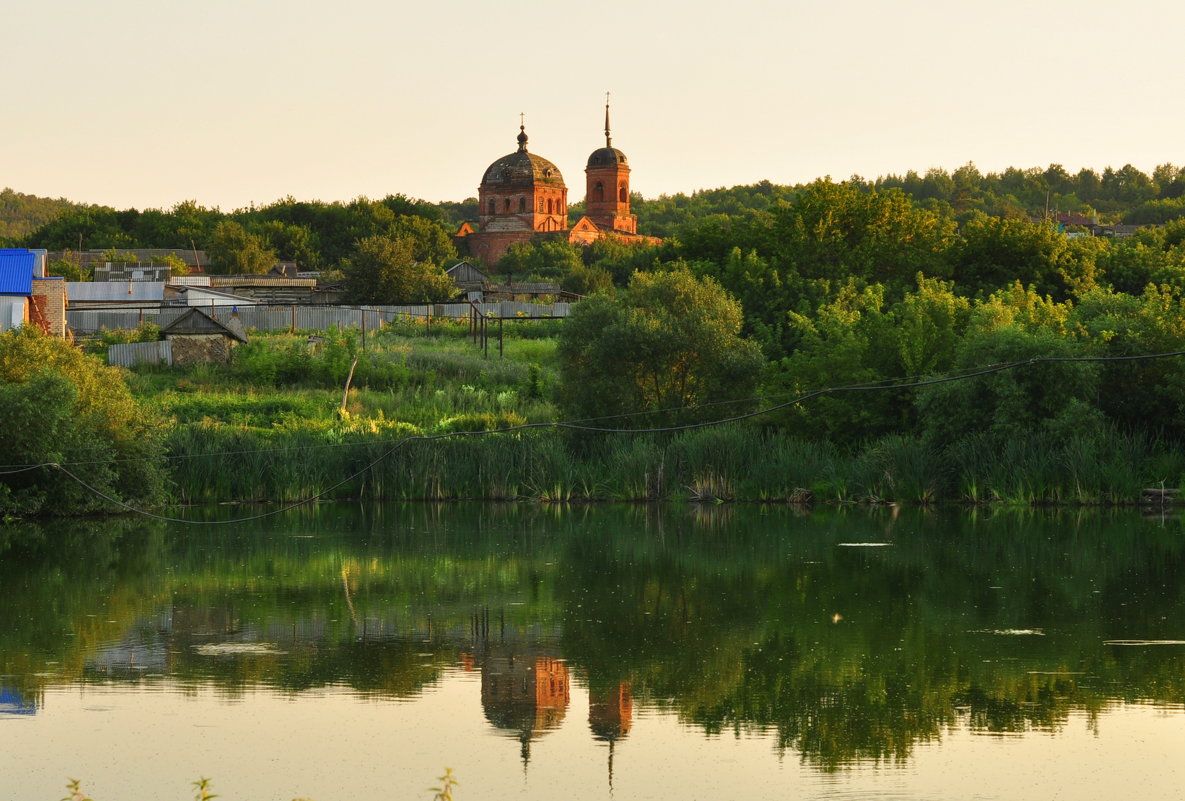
(198, 338)
(466, 276)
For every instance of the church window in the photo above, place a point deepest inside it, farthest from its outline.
(506, 205)
(522, 205)
(623, 194)
(599, 191)
(541, 205)
(550, 206)
(491, 207)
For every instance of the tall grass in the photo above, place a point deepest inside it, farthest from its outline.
(271, 427)
(742, 463)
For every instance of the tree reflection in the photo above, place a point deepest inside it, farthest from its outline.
(758, 620)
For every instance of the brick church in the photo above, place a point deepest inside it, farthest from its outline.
(523, 197)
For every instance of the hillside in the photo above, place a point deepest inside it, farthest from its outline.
(21, 214)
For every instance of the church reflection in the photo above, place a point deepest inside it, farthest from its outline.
(526, 690)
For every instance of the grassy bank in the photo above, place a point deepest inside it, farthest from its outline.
(271, 427)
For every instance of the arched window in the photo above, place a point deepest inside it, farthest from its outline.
(491, 207)
(599, 191)
(522, 205)
(550, 206)
(540, 205)
(623, 194)
(506, 204)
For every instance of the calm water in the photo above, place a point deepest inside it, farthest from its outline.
(593, 653)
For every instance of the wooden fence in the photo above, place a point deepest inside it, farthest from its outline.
(310, 318)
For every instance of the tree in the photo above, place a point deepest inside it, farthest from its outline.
(385, 270)
(993, 253)
(542, 258)
(665, 346)
(58, 405)
(234, 250)
(835, 230)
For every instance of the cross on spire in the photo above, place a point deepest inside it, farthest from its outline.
(608, 139)
(522, 131)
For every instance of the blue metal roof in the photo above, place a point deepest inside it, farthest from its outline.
(16, 272)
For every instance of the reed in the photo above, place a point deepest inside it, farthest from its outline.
(215, 461)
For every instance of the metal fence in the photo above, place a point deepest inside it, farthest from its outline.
(311, 318)
(160, 352)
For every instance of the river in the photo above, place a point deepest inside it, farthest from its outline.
(602, 652)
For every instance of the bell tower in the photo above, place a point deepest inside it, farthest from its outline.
(607, 196)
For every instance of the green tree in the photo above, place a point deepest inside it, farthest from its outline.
(1015, 403)
(584, 280)
(849, 341)
(234, 250)
(541, 258)
(58, 405)
(666, 345)
(992, 253)
(385, 270)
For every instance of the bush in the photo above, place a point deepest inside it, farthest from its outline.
(60, 406)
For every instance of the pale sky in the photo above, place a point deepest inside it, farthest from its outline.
(144, 103)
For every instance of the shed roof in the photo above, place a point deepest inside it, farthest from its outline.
(16, 271)
(116, 291)
(196, 321)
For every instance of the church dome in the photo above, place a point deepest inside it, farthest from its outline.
(607, 156)
(521, 168)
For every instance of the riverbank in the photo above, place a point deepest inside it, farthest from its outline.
(429, 418)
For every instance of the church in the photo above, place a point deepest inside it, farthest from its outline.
(522, 197)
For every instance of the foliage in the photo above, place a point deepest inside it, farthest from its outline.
(389, 270)
(236, 251)
(60, 406)
(663, 346)
(147, 331)
(448, 782)
(541, 258)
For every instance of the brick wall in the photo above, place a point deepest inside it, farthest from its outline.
(52, 295)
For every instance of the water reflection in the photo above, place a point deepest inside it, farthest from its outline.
(751, 621)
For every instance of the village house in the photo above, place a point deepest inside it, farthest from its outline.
(27, 295)
(198, 338)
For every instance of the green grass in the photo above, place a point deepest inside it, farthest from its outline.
(270, 427)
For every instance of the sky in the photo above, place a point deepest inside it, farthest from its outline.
(146, 103)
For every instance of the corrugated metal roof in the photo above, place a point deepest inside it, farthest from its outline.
(16, 272)
(115, 292)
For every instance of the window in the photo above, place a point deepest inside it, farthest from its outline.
(599, 191)
(522, 205)
(506, 205)
(550, 206)
(541, 205)
(623, 194)
(491, 207)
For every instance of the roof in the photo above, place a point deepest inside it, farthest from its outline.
(464, 271)
(521, 168)
(196, 321)
(196, 295)
(115, 291)
(16, 271)
(606, 156)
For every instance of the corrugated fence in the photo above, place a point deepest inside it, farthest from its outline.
(160, 352)
(311, 318)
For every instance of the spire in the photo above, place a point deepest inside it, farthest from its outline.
(608, 139)
(522, 133)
